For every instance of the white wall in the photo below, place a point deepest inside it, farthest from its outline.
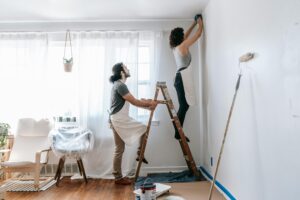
(163, 151)
(261, 155)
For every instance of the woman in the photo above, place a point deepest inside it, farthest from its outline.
(126, 129)
(180, 43)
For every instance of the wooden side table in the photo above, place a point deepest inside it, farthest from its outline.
(2, 192)
(5, 153)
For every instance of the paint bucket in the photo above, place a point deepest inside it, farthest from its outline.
(148, 191)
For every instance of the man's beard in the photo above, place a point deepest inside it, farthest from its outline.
(127, 75)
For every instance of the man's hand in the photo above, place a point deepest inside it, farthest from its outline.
(153, 105)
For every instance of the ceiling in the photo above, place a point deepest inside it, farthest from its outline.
(98, 10)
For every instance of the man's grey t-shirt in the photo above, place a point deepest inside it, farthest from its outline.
(117, 102)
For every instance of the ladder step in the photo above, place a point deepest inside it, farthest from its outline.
(161, 84)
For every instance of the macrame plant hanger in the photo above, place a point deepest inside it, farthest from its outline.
(68, 63)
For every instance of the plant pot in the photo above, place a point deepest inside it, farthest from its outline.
(68, 64)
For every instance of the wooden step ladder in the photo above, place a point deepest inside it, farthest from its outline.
(173, 114)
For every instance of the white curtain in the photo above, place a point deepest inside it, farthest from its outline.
(92, 70)
(22, 76)
(85, 92)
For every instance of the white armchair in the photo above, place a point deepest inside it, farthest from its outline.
(30, 148)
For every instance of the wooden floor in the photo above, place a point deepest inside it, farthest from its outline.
(78, 190)
(192, 191)
(107, 190)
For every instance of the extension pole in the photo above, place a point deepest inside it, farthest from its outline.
(225, 134)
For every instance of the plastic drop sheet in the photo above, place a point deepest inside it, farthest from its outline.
(71, 142)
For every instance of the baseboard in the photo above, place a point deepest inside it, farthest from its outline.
(220, 187)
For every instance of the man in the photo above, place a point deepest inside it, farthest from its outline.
(126, 129)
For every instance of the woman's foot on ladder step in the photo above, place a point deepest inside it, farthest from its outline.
(177, 137)
(144, 160)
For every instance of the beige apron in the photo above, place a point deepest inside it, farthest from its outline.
(127, 128)
(188, 85)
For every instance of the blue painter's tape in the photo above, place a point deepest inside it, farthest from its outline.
(226, 192)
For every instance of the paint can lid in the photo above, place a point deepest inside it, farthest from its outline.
(148, 186)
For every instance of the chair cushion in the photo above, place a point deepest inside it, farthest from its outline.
(17, 164)
(31, 127)
(25, 148)
(25, 126)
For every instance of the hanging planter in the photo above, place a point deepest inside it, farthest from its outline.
(68, 63)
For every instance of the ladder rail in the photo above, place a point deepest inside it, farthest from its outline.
(183, 143)
(143, 147)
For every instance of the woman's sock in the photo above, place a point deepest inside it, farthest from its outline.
(177, 137)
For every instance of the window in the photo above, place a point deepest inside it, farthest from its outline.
(70, 87)
(60, 82)
(37, 86)
(144, 74)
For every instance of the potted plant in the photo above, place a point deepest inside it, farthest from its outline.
(68, 62)
(4, 130)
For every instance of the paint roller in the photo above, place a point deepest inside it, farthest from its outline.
(244, 58)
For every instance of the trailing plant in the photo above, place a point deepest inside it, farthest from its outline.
(4, 130)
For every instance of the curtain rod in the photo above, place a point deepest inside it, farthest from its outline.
(75, 30)
(96, 21)
(92, 26)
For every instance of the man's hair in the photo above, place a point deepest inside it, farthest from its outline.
(116, 70)
(176, 37)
